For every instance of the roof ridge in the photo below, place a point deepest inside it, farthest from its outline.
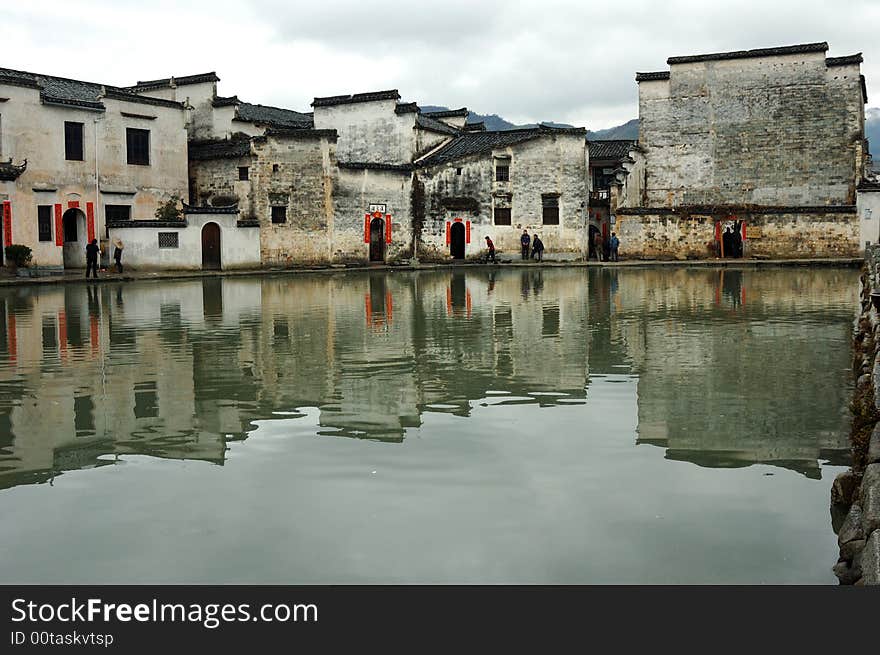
(821, 46)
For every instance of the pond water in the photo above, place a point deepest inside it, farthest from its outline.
(655, 425)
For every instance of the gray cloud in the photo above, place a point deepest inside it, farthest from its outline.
(530, 60)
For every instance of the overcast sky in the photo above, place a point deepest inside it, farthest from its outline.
(527, 60)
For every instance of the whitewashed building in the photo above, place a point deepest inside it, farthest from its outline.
(79, 155)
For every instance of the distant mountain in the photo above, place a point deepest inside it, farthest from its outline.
(629, 130)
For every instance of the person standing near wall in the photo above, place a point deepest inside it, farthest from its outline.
(525, 241)
(117, 253)
(538, 248)
(92, 251)
(614, 244)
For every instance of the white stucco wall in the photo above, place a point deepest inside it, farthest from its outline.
(370, 131)
(868, 206)
(239, 246)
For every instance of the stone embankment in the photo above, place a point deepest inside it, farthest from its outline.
(855, 494)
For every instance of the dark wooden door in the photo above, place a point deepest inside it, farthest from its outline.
(377, 240)
(211, 247)
(456, 240)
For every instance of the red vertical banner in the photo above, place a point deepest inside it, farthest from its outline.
(73, 204)
(62, 334)
(743, 230)
(467, 231)
(90, 220)
(387, 228)
(7, 223)
(448, 229)
(604, 231)
(59, 227)
(12, 339)
(366, 228)
(93, 333)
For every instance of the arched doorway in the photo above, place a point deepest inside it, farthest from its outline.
(211, 247)
(456, 240)
(73, 227)
(377, 240)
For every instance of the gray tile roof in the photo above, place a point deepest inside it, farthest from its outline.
(610, 150)
(219, 149)
(844, 61)
(273, 116)
(448, 113)
(476, 143)
(64, 91)
(747, 54)
(427, 123)
(647, 77)
(328, 101)
(406, 108)
(10, 171)
(178, 81)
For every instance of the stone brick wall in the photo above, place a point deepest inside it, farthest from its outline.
(466, 188)
(304, 183)
(215, 182)
(682, 235)
(783, 130)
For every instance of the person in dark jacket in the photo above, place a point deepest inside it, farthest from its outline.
(525, 241)
(538, 248)
(92, 251)
(613, 245)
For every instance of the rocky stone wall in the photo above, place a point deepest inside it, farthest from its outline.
(687, 234)
(855, 494)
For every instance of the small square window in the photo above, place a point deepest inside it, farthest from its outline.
(502, 216)
(274, 168)
(458, 171)
(279, 214)
(44, 222)
(243, 173)
(168, 240)
(502, 173)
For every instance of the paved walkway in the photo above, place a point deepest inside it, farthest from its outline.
(8, 279)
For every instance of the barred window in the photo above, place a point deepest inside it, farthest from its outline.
(168, 240)
(44, 222)
(550, 205)
(502, 173)
(502, 216)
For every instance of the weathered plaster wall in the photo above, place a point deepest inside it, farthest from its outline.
(370, 131)
(357, 189)
(239, 246)
(35, 131)
(547, 164)
(692, 236)
(868, 205)
(781, 130)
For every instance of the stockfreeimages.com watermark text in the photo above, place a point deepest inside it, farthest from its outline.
(208, 615)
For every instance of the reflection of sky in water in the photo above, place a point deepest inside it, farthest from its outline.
(564, 426)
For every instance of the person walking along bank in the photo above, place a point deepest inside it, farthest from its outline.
(525, 241)
(117, 253)
(92, 251)
(491, 247)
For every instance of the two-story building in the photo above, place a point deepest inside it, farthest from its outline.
(78, 155)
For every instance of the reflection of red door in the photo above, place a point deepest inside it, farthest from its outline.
(211, 247)
(377, 240)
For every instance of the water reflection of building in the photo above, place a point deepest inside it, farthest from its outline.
(179, 370)
(716, 386)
